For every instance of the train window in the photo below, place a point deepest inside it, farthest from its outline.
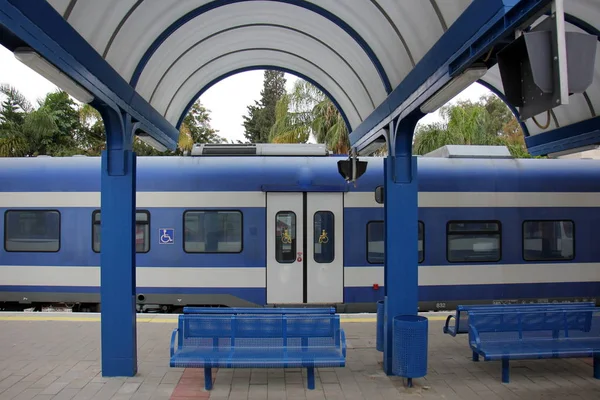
(324, 237)
(548, 240)
(32, 230)
(473, 241)
(212, 231)
(142, 231)
(376, 246)
(285, 237)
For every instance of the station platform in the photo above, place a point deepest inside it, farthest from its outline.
(56, 356)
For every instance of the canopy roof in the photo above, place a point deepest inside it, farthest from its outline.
(356, 52)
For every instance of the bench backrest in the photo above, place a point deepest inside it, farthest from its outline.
(275, 330)
(256, 310)
(476, 307)
(534, 324)
(462, 325)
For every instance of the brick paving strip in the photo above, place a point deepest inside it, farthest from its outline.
(191, 385)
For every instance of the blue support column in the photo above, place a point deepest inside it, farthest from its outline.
(117, 258)
(401, 230)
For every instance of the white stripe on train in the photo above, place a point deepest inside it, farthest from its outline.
(258, 199)
(491, 274)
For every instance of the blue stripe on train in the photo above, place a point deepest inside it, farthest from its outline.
(368, 294)
(76, 243)
(255, 295)
(483, 292)
(250, 174)
(435, 223)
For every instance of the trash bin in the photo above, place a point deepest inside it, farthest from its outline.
(410, 346)
(380, 310)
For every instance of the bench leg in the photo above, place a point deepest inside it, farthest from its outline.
(505, 371)
(475, 356)
(597, 366)
(207, 379)
(310, 372)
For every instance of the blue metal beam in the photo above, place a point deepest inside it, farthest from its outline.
(481, 25)
(401, 232)
(36, 23)
(117, 256)
(580, 134)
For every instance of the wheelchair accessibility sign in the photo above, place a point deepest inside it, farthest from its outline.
(166, 236)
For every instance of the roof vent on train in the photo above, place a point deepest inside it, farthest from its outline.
(470, 151)
(259, 149)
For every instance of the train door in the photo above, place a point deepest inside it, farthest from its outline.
(285, 244)
(324, 250)
(305, 248)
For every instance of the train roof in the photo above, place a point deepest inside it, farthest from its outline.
(46, 174)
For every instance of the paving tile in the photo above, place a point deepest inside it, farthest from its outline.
(66, 363)
(66, 394)
(27, 394)
(14, 390)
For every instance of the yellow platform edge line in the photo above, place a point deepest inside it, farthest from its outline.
(167, 320)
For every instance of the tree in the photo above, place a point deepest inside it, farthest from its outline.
(289, 126)
(67, 128)
(309, 111)
(261, 115)
(196, 127)
(486, 122)
(61, 127)
(26, 131)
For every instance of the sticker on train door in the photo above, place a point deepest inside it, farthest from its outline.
(299, 259)
(166, 236)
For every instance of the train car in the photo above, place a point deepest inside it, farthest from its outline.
(272, 230)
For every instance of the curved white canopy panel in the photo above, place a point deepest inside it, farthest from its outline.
(251, 58)
(357, 51)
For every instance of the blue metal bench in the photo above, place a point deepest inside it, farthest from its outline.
(517, 335)
(258, 341)
(257, 310)
(461, 324)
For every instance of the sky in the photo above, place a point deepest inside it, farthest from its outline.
(227, 100)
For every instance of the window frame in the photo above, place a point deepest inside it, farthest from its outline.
(368, 241)
(34, 210)
(546, 259)
(295, 235)
(314, 243)
(205, 210)
(147, 212)
(483, 221)
(419, 260)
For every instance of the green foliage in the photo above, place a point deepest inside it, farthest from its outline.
(60, 127)
(197, 126)
(261, 115)
(308, 111)
(486, 122)
(289, 127)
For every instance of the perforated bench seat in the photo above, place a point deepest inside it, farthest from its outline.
(535, 334)
(258, 358)
(258, 341)
(461, 324)
(547, 348)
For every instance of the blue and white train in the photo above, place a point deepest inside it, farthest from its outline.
(273, 230)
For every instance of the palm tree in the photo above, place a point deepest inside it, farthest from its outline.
(290, 126)
(308, 111)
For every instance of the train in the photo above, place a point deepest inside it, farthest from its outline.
(233, 228)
